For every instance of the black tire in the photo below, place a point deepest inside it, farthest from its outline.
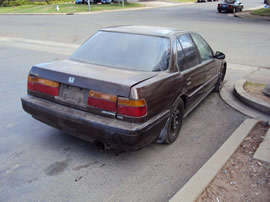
(220, 80)
(219, 10)
(175, 122)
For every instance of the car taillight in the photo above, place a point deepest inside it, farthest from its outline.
(230, 6)
(219, 5)
(43, 86)
(102, 101)
(133, 108)
(121, 106)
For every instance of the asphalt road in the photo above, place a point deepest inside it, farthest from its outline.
(244, 42)
(39, 163)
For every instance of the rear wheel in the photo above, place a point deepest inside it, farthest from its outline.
(219, 10)
(175, 122)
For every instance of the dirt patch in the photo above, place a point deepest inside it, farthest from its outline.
(242, 178)
(255, 90)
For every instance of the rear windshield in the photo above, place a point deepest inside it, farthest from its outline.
(125, 51)
(229, 1)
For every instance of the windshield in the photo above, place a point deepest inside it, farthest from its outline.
(125, 51)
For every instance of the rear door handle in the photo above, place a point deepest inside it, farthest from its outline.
(188, 81)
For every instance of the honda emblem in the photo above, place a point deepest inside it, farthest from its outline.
(71, 79)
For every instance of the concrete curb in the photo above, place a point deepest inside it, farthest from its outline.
(263, 151)
(197, 184)
(247, 15)
(243, 96)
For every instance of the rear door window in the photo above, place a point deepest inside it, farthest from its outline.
(181, 59)
(203, 48)
(190, 51)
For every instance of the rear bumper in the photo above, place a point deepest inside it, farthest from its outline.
(116, 133)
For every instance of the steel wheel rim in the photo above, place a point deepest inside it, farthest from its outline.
(221, 81)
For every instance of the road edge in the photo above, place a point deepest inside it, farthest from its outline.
(244, 97)
(246, 14)
(202, 178)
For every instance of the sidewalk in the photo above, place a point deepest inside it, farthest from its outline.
(235, 94)
(233, 86)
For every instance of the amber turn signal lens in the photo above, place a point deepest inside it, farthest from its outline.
(103, 96)
(132, 103)
(43, 81)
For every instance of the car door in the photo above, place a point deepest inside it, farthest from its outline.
(207, 59)
(238, 5)
(192, 72)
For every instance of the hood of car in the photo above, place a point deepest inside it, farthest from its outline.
(94, 77)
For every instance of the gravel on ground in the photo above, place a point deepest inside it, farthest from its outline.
(243, 178)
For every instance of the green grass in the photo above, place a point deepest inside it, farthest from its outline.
(65, 8)
(258, 85)
(261, 12)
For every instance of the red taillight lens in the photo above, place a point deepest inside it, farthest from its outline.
(230, 6)
(43, 86)
(133, 108)
(102, 101)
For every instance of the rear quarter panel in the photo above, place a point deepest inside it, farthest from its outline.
(159, 92)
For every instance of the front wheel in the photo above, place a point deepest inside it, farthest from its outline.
(175, 122)
(220, 80)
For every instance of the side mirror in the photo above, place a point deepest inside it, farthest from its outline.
(219, 55)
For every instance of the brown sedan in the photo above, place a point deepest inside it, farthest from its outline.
(126, 86)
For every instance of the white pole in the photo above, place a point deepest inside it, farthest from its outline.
(89, 7)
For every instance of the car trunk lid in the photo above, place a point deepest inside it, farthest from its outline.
(89, 76)
(89, 87)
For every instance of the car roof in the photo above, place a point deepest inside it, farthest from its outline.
(146, 30)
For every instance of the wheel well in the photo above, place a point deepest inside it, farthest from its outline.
(184, 100)
(225, 68)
